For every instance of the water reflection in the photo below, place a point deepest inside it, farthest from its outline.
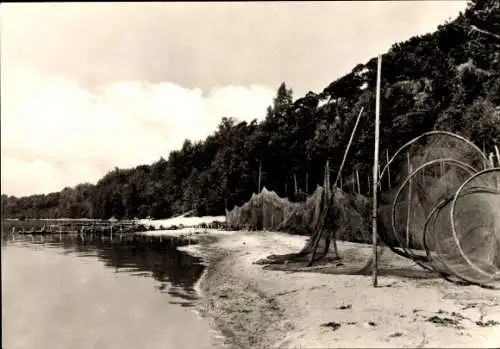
(62, 292)
(176, 271)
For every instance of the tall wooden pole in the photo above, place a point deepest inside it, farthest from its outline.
(353, 182)
(348, 147)
(497, 151)
(484, 151)
(326, 177)
(296, 189)
(357, 180)
(375, 175)
(307, 183)
(388, 168)
(410, 170)
(260, 174)
(498, 161)
(369, 188)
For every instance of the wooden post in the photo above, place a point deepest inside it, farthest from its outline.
(327, 172)
(410, 170)
(307, 182)
(486, 155)
(388, 168)
(369, 185)
(326, 182)
(375, 176)
(260, 175)
(357, 180)
(498, 162)
(497, 151)
(295, 184)
(328, 179)
(348, 147)
(353, 182)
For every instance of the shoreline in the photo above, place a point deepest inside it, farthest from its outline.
(254, 307)
(242, 313)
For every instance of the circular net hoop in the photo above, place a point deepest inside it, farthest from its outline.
(441, 207)
(475, 227)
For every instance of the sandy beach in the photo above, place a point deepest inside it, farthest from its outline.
(255, 307)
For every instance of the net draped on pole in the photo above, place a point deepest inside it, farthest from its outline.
(441, 209)
(444, 209)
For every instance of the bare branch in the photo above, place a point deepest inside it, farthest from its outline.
(473, 27)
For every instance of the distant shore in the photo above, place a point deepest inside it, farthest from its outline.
(254, 307)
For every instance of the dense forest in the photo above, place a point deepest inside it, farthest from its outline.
(446, 80)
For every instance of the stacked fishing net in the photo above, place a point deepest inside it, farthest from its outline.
(442, 209)
(304, 218)
(268, 211)
(264, 211)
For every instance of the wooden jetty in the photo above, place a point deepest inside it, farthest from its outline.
(40, 227)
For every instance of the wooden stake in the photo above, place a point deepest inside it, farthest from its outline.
(498, 161)
(322, 217)
(260, 175)
(357, 180)
(326, 177)
(410, 169)
(353, 182)
(348, 147)
(369, 185)
(307, 183)
(376, 170)
(484, 152)
(295, 184)
(497, 151)
(388, 168)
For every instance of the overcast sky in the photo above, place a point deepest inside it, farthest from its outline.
(87, 87)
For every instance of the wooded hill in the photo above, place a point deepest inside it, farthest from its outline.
(446, 80)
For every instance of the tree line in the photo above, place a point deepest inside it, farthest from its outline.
(446, 80)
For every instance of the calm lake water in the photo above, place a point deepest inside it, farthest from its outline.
(98, 294)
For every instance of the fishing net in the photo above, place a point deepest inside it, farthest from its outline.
(442, 208)
(264, 211)
(439, 207)
(346, 218)
(463, 233)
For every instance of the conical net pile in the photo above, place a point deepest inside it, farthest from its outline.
(442, 210)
